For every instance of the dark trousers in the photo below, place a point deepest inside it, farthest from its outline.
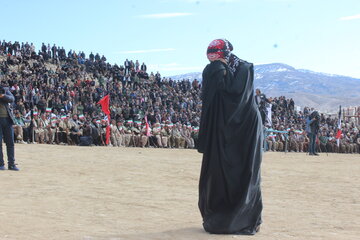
(7, 132)
(263, 113)
(153, 141)
(312, 144)
(61, 137)
(75, 138)
(26, 134)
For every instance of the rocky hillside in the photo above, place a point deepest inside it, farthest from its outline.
(322, 91)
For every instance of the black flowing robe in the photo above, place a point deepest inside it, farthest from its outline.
(230, 138)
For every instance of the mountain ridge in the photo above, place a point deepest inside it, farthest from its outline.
(323, 90)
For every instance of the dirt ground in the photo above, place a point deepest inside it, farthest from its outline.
(89, 193)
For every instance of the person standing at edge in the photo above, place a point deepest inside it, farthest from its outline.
(6, 128)
(230, 139)
(312, 128)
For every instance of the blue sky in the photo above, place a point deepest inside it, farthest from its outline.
(172, 35)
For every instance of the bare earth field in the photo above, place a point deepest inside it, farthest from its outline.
(87, 193)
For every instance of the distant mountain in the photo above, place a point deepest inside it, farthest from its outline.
(308, 88)
(191, 76)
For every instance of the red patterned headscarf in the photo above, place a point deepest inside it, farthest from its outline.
(219, 48)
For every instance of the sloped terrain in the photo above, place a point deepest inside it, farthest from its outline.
(322, 91)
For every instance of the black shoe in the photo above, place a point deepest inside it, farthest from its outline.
(13, 168)
(311, 154)
(316, 154)
(2, 168)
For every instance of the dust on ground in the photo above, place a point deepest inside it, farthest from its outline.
(91, 193)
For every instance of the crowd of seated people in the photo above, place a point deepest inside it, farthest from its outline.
(56, 95)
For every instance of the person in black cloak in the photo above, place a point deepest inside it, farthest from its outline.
(230, 138)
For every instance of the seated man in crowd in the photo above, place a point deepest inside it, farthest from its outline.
(332, 143)
(63, 130)
(179, 140)
(343, 144)
(156, 135)
(121, 130)
(21, 129)
(164, 135)
(52, 129)
(144, 138)
(128, 138)
(136, 134)
(351, 146)
(186, 134)
(195, 136)
(96, 131)
(293, 144)
(115, 135)
(301, 140)
(75, 130)
(39, 128)
(271, 142)
(323, 139)
(103, 126)
(168, 135)
(280, 142)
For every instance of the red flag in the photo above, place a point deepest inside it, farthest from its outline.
(105, 104)
(107, 134)
(147, 127)
(339, 132)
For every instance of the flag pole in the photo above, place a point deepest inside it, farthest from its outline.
(338, 133)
